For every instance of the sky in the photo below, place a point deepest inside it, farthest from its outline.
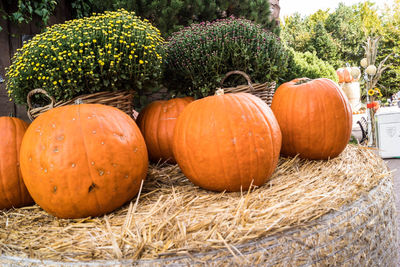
(307, 7)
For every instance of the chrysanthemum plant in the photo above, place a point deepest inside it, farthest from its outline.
(105, 52)
(199, 56)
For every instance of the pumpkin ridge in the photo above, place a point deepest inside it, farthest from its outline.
(222, 161)
(17, 145)
(335, 132)
(157, 140)
(189, 146)
(230, 101)
(3, 177)
(245, 109)
(326, 122)
(87, 155)
(292, 135)
(228, 123)
(267, 123)
(164, 141)
(2, 186)
(308, 107)
(270, 130)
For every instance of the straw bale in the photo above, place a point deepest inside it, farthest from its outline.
(336, 212)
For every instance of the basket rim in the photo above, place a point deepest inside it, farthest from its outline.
(34, 112)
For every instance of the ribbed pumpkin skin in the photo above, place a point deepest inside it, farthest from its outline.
(223, 142)
(315, 118)
(344, 75)
(13, 192)
(83, 160)
(157, 122)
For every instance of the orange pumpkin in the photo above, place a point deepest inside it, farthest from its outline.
(344, 75)
(83, 160)
(13, 192)
(227, 142)
(157, 122)
(315, 118)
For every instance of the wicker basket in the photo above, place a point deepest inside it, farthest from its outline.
(265, 91)
(121, 100)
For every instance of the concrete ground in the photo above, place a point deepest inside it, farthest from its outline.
(394, 165)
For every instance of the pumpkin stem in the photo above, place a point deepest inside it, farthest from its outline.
(219, 91)
(303, 80)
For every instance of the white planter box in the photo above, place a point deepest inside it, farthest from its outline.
(388, 132)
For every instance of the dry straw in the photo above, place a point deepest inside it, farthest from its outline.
(336, 212)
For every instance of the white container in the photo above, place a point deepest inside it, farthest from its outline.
(388, 132)
(353, 93)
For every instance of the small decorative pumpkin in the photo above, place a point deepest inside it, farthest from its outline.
(157, 122)
(344, 75)
(355, 73)
(83, 160)
(315, 118)
(12, 187)
(371, 70)
(364, 62)
(227, 142)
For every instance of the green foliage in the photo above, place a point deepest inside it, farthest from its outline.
(200, 55)
(106, 52)
(310, 66)
(390, 80)
(323, 43)
(371, 20)
(26, 9)
(335, 37)
(170, 16)
(81, 8)
(296, 34)
(345, 28)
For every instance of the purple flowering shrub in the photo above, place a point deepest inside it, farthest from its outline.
(198, 56)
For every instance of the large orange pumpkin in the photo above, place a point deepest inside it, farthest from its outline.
(315, 118)
(13, 192)
(83, 160)
(344, 75)
(227, 142)
(157, 122)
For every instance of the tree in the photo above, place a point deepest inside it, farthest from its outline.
(296, 33)
(390, 81)
(371, 21)
(323, 44)
(172, 15)
(345, 28)
(335, 37)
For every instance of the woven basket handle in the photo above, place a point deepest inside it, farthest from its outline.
(39, 91)
(247, 77)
